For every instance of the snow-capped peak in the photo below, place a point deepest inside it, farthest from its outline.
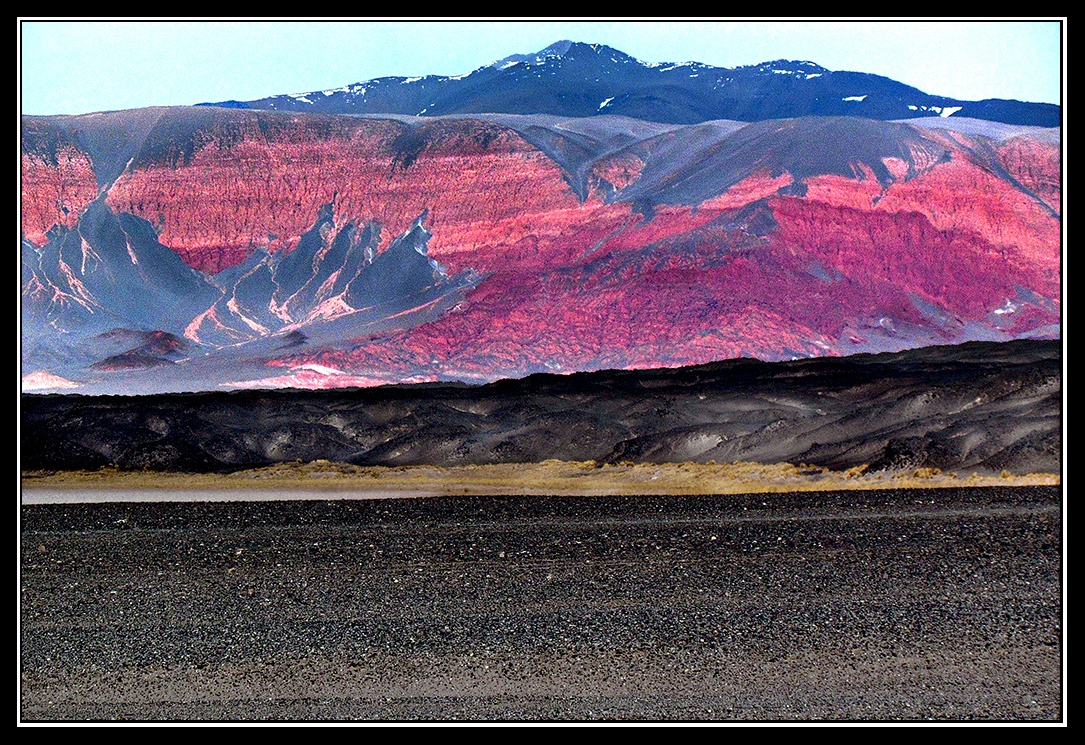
(561, 50)
(557, 49)
(804, 68)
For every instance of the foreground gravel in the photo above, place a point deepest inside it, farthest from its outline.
(894, 605)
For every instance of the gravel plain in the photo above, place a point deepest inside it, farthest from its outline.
(902, 605)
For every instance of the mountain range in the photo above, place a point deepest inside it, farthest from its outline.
(574, 79)
(570, 210)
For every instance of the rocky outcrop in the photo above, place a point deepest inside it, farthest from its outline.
(941, 251)
(1037, 166)
(257, 183)
(57, 186)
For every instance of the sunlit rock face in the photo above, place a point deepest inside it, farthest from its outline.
(1036, 166)
(325, 250)
(258, 180)
(57, 181)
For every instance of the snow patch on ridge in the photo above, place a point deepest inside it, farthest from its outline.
(357, 89)
(942, 111)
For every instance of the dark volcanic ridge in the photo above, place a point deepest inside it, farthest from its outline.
(976, 407)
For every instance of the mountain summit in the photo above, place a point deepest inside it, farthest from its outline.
(569, 78)
(556, 50)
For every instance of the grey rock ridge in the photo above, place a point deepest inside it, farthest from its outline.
(976, 407)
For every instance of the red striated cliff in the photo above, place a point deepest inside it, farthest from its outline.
(478, 180)
(894, 256)
(55, 192)
(1037, 165)
(942, 246)
(907, 243)
(961, 196)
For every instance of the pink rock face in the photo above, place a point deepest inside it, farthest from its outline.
(43, 381)
(482, 184)
(751, 189)
(55, 193)
(849, 260)
(886, 258)
(771, 266)
(1037, 166)
(619, 170)
(959, 196)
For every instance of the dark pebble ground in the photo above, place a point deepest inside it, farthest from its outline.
(875, 606)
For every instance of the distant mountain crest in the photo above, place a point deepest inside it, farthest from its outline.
(557, 49)
(576, 79)
(794, 67)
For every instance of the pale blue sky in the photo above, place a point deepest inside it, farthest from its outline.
(72, 67)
